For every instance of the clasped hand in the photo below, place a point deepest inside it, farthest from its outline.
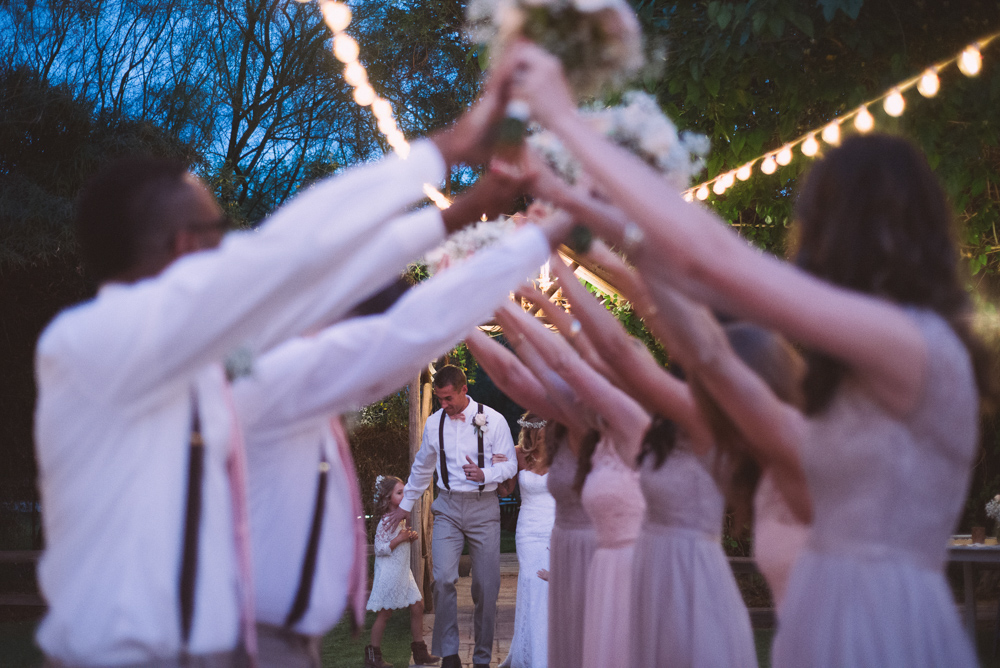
(473, 472)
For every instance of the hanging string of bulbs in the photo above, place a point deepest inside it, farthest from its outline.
(337, 16)
(927, 83)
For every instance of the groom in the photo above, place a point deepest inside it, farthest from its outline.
(458, 440)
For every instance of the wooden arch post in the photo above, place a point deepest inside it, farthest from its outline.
(421, 563)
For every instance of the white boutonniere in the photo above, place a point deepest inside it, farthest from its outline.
(481, 423)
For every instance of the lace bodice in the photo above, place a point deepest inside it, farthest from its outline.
(384, 534)
(569, 510)
(613, 499)
(538, 508)
(682, 493)
(886, 485)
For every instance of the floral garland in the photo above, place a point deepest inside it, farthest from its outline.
(378, 481)
(531, 425)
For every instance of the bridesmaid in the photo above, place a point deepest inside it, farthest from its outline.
(610, 490)
(686, 607)
(573, 539)
(877, 299)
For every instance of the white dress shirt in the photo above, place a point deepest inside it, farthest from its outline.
(112, 424)
(461, 441)
(285, 407)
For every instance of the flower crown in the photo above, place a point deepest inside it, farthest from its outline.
(531, 425)
(378, 481)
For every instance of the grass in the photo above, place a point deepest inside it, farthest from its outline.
(17, 648)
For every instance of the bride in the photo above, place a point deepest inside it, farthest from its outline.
(529, 646)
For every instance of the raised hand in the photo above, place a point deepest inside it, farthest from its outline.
(538, 79)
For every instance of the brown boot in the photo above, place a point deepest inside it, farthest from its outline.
(373, 658)
(421, 656)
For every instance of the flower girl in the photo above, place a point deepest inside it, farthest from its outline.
(393, 586)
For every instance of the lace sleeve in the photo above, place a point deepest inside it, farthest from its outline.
(383, 536)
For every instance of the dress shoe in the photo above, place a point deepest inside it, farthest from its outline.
(451, 661)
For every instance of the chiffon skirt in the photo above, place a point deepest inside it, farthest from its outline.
(845, 610)
(607, 621)
(687, 610)
(571, 553)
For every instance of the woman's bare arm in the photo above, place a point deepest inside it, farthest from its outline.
(687, 246)
(620, 414)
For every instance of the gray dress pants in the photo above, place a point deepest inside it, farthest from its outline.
(460, 517)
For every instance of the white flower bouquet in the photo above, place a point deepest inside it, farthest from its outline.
(598, 41)
(464, 243)
(640, 126)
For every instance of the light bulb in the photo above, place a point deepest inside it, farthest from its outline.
(894, 104)
(382, 109)
(355, 74)
(810, 146)
(929, 83)
(768, 166)
(364, 95)
(743, 173)
(719, 187)
(689, 196)
(387, 126)
(345, 48)
(864, 121)
(831, 134)
(971, 61)
(728, 180)
(336, 14)
(702, 193)
(784, 156)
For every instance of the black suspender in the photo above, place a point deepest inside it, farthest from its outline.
(481, 459)
(192, 523)
(444, 460)
(301, 602)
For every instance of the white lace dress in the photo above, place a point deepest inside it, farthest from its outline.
(393, 586)
(529, 646)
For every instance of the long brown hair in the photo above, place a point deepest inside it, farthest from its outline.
(777, 363)
(873, 217)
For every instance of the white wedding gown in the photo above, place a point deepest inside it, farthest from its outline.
(529, 646)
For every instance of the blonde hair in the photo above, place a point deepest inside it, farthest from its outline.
(531, 440)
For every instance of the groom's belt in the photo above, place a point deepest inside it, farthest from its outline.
(466, 492)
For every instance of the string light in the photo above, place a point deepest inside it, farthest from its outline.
(969, 61)
(337, 16)
(810, 146)
(688, 197)
(864, 121)
(929, 83)
(895, 104)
